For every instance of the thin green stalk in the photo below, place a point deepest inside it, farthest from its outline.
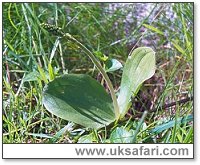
(58, 31)
(139, 126)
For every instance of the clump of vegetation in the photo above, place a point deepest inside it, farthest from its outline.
(80, 99)
(53, 70)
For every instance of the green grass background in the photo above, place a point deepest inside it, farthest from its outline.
(102, 27)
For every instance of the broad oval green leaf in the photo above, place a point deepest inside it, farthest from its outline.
(87, 138)
(139, 67)
(112, 65)
(121, 135)
(32, 76)
(80, 99)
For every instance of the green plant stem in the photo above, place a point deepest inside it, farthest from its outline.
(139, 126)
(100, 68)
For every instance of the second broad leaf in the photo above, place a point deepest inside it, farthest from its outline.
(139, 67)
